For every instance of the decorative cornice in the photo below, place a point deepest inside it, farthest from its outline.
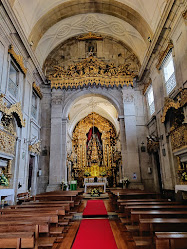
(146, 86)
(90, 36)
(184, 14)
(163, 54)
(37, 90)
(170, 103)
(14, 109)
(18, 59)
(91, 71)
(35, 148)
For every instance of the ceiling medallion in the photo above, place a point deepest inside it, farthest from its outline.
(92, 71)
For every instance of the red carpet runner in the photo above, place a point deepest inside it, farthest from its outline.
(95, 208)
(95, 234)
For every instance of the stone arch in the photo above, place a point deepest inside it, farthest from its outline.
(70, 101)
(75, 7)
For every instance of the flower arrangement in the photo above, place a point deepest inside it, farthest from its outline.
(3, 180)
(87, 174)
(95, 192)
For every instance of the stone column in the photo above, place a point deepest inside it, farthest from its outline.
(123, 145)
(55, 167)
(132, 169)
(64, 148)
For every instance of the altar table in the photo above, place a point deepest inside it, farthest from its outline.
(95, 184)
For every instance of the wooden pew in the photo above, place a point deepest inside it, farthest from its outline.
(151, 203)
(66, 206)
(17, 240)
(171, 240)
(52, 219)
(56, 197)
(52, 210)
(129, 209)
(71, 203)
(162, 224)
(137, 215)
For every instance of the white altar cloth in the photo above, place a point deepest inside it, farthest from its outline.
(94, 184)
(180, 187)
(9, 193)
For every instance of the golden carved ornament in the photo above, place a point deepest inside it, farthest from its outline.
(179, 137)
(146, 86)
(14, 109)
(152, 144)
(18, 59)
(37, 90)
(170, 103)
(80, 138)
(7, 142)
(90, 36)
(163, 54)
(92, 71)
(35, 148)
(184, 14)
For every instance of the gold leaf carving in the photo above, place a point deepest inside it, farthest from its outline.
(184, 14)
(7, 142)
(170, 103)
(90, 36)
(163, 54)
(37, 90)
(14, 109)
(18, 59)
(179, 137)
(92, 71)
(35, 148)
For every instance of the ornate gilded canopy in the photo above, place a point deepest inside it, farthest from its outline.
(92, 71)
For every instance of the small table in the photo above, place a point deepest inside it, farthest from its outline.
(95, 184)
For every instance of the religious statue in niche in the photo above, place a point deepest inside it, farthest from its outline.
(94, 147)
(91, 48)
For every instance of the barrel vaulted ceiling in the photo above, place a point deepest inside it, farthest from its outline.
(47, 23)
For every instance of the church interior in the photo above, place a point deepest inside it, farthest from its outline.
(93, 124)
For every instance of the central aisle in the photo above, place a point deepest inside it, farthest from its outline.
(95, 233)
(95, 208)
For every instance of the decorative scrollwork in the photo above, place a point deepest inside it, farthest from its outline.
(18, 59)
(37, 90)
(90, 36)
(184, 14)
(14, 109)
(163, 54)
(179, 137)
(170, 103)
(35, 148)
(7, 142)
(92, 71)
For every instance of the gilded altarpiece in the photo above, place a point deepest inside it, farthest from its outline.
(8, 134)
(93, 144)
